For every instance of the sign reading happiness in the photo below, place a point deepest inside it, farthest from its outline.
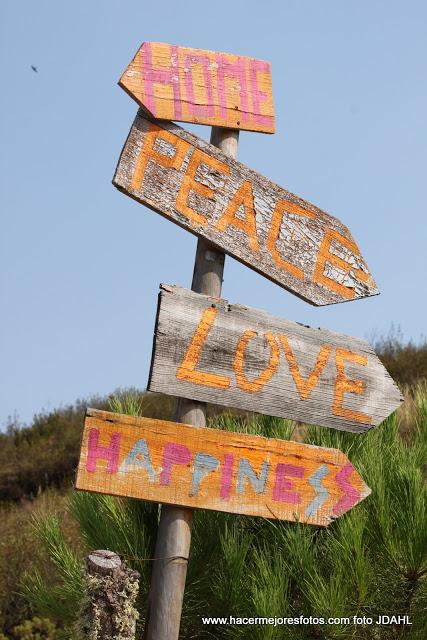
(214, 469)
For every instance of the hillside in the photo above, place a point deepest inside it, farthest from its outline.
(37, 465)
(44, 454)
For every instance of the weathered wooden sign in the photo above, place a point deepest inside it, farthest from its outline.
(213, 469)
(207, 349)
(204, 87)
(283, 237)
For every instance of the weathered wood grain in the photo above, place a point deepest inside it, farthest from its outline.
(209, 350)
(281, 236)
(203, 87)
(108, 608)
(214, 469)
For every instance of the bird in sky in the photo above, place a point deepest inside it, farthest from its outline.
(34, 69)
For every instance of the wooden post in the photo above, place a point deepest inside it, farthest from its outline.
(108, 609)
(174, 534)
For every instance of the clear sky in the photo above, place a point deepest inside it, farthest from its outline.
(81, 263)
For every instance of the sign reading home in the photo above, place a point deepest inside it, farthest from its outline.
(209, 350)
(213, 469)
(204, 87)
(269, 229)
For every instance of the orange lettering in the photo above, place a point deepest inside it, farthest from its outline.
(325, 255)
(276, 222)
(148, 153)
(243, 196)
(305, 385)
(344, 385)
(187, 370)
(189, 183)
(242, 381)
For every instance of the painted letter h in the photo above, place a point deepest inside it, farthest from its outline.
(96, 451)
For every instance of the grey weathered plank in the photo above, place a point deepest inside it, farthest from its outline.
(269, 229)
(207, 349)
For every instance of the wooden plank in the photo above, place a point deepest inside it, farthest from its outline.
(203, 87)
(209, 350)
(213, 469)
(269, 229)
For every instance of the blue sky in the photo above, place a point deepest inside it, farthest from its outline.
(81, 263)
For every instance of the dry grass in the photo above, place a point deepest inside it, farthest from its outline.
(20, 551)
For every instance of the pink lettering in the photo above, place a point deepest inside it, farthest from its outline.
(198, 109)
(237, 71)
(95, 452)
(351, 494)
(226, 476)
(154, 75)
(258, 95)
(282, 485)
(173, 453)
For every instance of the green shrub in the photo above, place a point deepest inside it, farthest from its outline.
(20, 551)
(46, 453)
(371, 561)
(35, 629)
(406, 362)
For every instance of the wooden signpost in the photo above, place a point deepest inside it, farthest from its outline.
(174, 534)
(209, 350)
(206, 350)
(204, 87)
(213, 469)
(281, 236)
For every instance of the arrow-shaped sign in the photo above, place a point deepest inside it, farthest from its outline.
(204, 87)
(269, 229)
(213, 469)
(209, 350)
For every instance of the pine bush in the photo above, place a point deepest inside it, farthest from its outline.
(372, 561)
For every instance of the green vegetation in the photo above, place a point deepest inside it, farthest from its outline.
(370, 561)
(34, 629)
(20, 551)
(405, 362)
(46, 453)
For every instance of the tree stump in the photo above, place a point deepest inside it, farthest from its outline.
(108, 609)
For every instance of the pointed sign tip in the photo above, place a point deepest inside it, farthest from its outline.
(199, 467)
(233, 92)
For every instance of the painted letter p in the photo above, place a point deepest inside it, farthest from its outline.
(173, 453)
